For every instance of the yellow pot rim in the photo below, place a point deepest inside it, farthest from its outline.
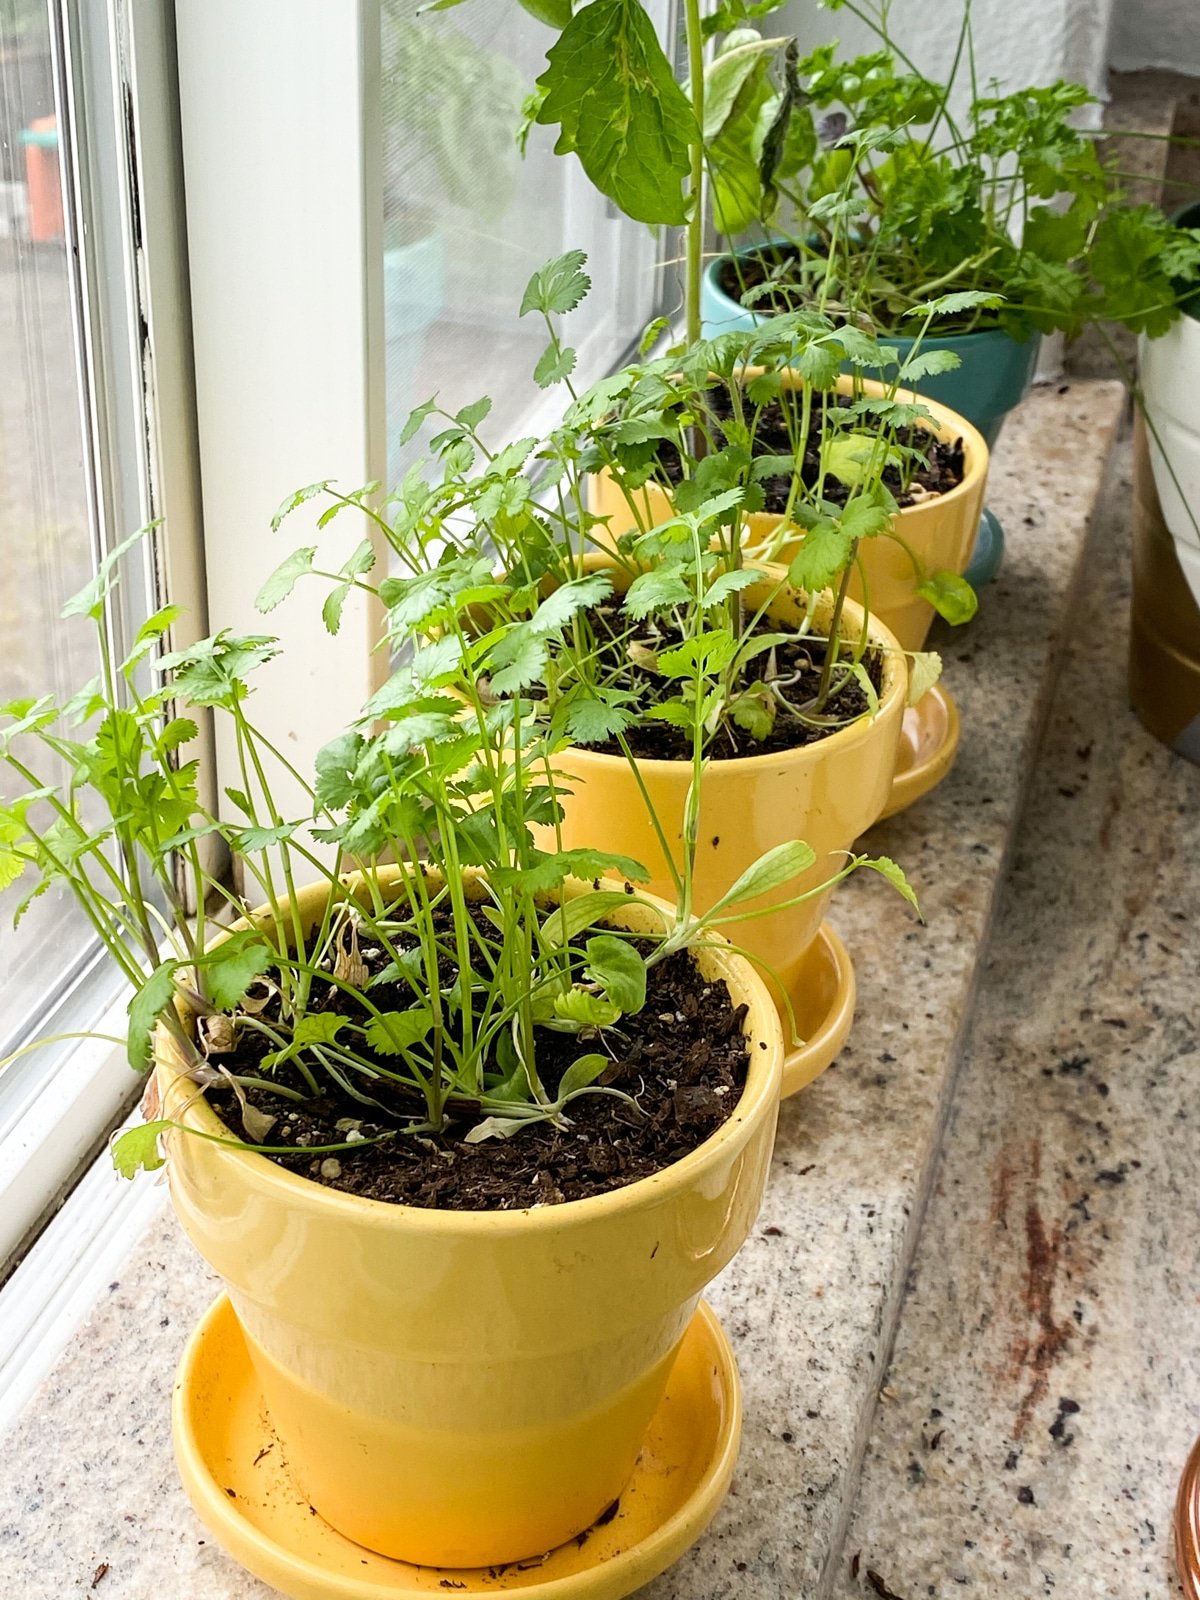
(895, 688)
(760, 1094)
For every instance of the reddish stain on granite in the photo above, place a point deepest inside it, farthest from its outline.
(1034, 1353)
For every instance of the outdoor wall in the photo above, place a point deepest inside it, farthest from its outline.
(1156, 33)
(1016, 41)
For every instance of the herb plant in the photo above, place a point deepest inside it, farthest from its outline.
(880, 197)
(668, 153)
(523, 510)
(446, 776)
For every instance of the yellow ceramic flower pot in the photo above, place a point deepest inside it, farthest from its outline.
(940, 530)
(471, 1388)
(827, 793)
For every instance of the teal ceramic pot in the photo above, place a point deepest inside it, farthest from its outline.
(993, 375)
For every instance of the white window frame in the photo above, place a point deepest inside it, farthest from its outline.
(114, 75)
(282, 147)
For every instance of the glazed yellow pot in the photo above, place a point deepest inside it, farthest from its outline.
(941, 530)
(471, 1388)
(827, 793)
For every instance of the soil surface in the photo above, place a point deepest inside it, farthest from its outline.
(941, 465)
(751, 271)
(683, 1059)
(795, 666)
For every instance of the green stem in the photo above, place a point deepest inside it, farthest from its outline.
(695, 225)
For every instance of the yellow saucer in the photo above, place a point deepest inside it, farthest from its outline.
(823, 1003)
(235, 1476)
(928, 745)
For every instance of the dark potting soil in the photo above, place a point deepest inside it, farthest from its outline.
(941, 469)
(751, 271)
(683, 1060)
(800, 660)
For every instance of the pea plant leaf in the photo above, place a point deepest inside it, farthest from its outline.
(619, 969)
(609, 87)
(775, 867)
(951, 596)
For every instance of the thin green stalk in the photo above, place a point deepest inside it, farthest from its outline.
(695, 224)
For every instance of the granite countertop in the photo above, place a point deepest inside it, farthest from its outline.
(1045, 1386)
(87, 1481)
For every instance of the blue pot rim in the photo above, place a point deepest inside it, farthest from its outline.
(929, 343)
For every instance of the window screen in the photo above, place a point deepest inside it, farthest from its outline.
(468, 219)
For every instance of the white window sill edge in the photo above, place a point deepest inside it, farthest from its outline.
(53, 1291)
(85, 1091)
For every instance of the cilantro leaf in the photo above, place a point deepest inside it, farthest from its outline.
(558, 287)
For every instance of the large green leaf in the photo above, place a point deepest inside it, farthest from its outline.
(609, 86)
(743, 53)
(554, 13)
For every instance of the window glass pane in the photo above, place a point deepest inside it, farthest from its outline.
(467, 220)
(46, 550)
